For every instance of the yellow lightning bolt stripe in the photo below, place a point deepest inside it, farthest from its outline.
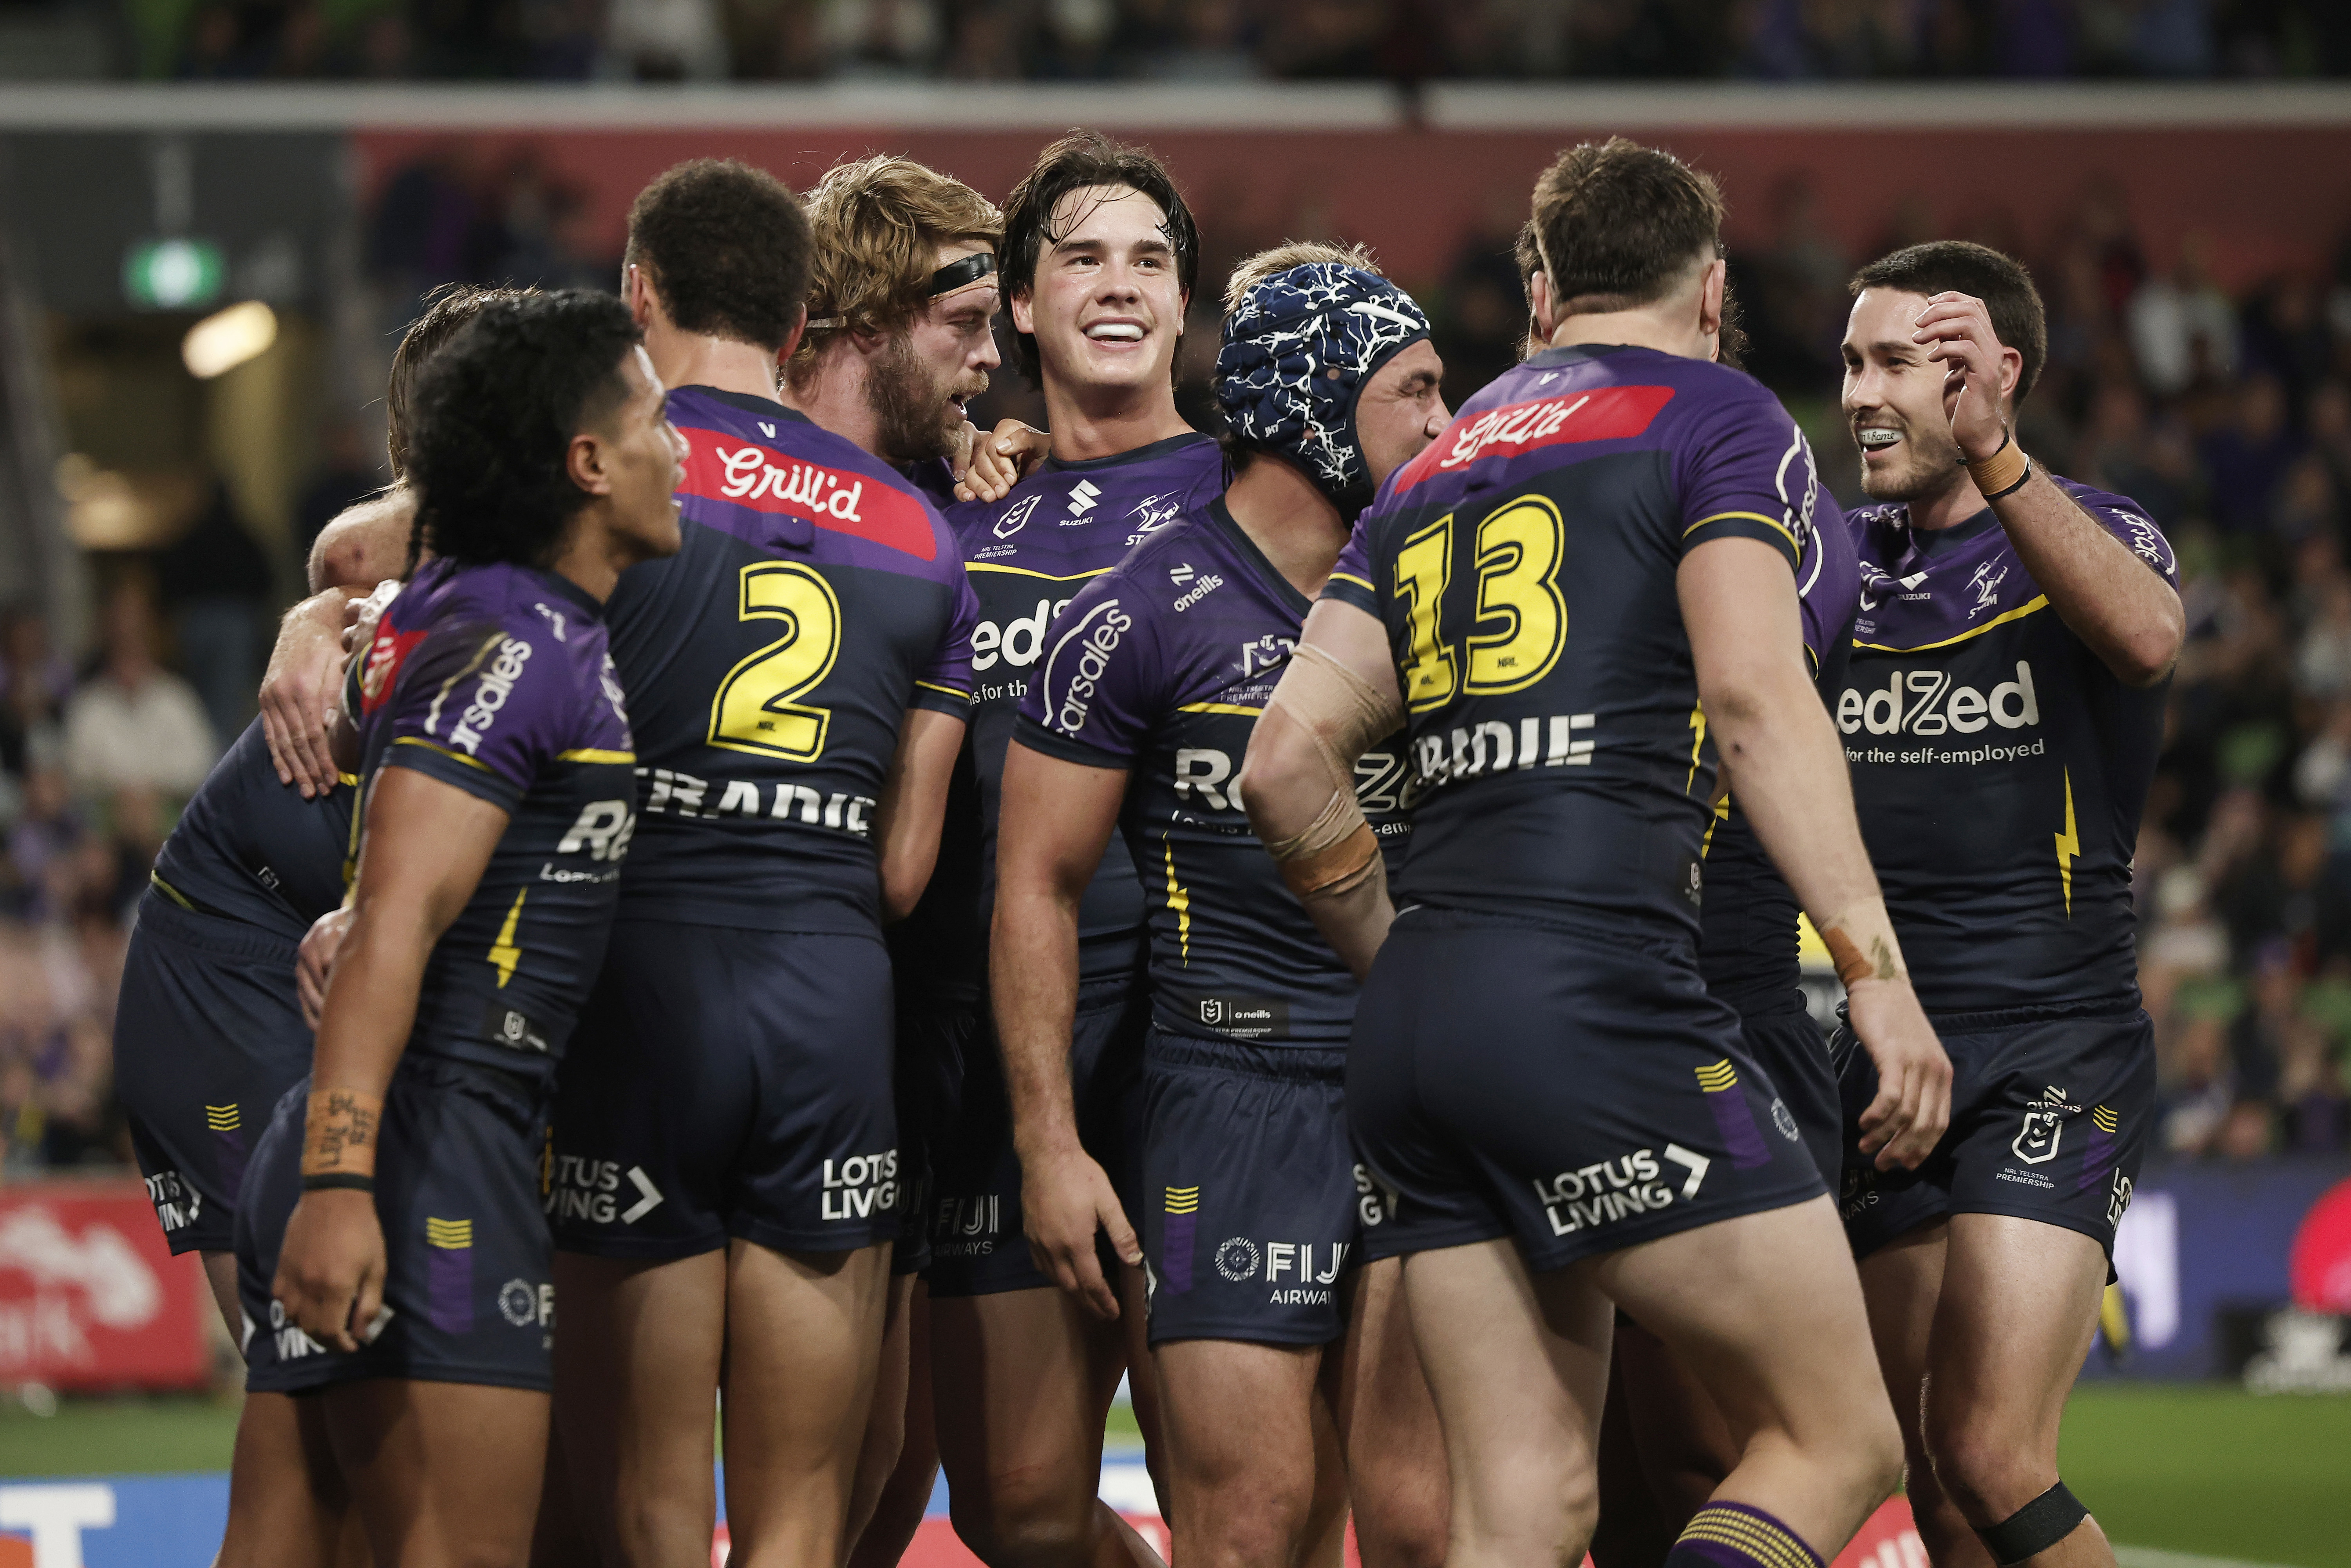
(503, 952)
(1697, 743)
(2069, 848)
(1180, 902)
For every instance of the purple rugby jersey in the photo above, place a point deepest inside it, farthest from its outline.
(1026, 557)
(1524, 567)
(1747, 948)
(771, 664)
(495, 680)
(1999, 767)
(1159, 668)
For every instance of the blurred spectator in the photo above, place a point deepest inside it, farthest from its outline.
(665, 40)
(217, 584)
(2247, 458)
(2182, 326)
(134, 724)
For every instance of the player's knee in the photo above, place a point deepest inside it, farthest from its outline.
(1025, 1522)
(1401, 1528)
(1877, 1455)
(1986, 1472)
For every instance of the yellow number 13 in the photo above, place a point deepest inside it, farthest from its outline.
(1519, 547)
(756, 708)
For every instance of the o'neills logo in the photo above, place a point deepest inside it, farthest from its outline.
(1087, 648)
(749, 474)
(1603, 413)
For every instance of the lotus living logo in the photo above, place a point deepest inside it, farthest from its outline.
(94, 1277)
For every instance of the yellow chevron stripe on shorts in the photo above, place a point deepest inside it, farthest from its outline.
(2103, 1115)
(1183, 1200)
(1714, 1080)
(452, 1234)
(221, 1118)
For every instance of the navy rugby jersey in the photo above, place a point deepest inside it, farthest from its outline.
(250, 849)
(1524, 565)
(1027, 556)
(1997, 764)
(1747, 938)
(771, 664)
(496, 679)
(1161, 666)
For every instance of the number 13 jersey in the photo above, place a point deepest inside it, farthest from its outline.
(1524, 567)
(769, 665)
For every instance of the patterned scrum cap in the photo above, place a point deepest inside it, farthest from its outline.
(1297, 352)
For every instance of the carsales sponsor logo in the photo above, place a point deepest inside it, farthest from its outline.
(749, 474)
(1605, 413)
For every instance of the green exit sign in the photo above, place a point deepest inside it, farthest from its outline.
(172, 274)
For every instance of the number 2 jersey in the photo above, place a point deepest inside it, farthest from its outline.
(1026, 557)
(1998, 766)
(1161, 667)
(497, 680)
(771, 663)
(1524, 567)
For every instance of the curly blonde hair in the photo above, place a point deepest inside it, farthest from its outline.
(1252, 270)
(879, 224)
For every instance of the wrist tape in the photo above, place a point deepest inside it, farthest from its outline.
(339, 1134)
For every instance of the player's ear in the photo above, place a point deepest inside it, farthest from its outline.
(586, 463)
(792, 339)
(1538, 301)
(637, 289)
(1024, 310)
(1709, 298)
(2011, 374)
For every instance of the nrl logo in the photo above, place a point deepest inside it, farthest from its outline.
(1013, 521)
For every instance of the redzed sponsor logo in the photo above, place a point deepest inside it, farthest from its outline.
(746, 474)
(385, 655)
(1605, 413)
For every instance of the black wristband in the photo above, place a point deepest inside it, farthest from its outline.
(2021, 484)
(327, 1181)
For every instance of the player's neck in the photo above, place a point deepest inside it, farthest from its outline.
(594, 554)
(1288, 518)
(1948, 506)
(833, 397)
(1087, 422)
(690, 360)
(1673, 334)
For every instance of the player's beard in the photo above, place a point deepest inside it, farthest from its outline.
(1930, 465)
(913, 418)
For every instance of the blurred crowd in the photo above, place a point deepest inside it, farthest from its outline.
(1189, 40)
(2227, 415)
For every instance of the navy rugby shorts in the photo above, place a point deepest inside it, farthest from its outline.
(468, 1276)
(727, 1083)
(1580, 1094)
(1794, 1054)
(977, 1247)
(934, 1040)
(208, 1034)
(1250, 1226)
(2051, 1107)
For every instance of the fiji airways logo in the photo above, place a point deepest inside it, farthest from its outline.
(1926, 702)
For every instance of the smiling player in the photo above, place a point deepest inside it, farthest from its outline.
(2003, 715)
(1100, 259)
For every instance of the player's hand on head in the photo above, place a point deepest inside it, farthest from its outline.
(316, 961)
(299, 689)
(1957, 332)
(1902, 1125)
(1000, 460)
(330, 1270)
(1065, 1200)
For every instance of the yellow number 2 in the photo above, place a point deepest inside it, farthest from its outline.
(1520, 549)
(756, 709)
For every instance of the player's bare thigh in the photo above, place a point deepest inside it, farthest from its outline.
(287, 1501)
(444, 1475)
(1240, 1427)
(1388, 1428)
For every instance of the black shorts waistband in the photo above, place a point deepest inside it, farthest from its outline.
(1664, 944)
(221, 934)
(1292, 1063)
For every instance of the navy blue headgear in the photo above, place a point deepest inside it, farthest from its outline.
(1297, 352)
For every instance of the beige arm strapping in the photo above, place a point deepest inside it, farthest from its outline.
(1343, 714)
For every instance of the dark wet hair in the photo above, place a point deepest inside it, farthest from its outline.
(727, 248)
(1078, 160)
(446, 308)
(1962, 266)
(1618, 225)
(493, 418)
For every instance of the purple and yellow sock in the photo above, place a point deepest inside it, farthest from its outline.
(1737, 1535)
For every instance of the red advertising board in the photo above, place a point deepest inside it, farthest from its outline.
(91, 1297)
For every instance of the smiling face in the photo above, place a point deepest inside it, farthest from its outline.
(1401, 410)
(1105, 307)
(1894, 400)
(920, 381)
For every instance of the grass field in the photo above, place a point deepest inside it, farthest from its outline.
(2206, 1470)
